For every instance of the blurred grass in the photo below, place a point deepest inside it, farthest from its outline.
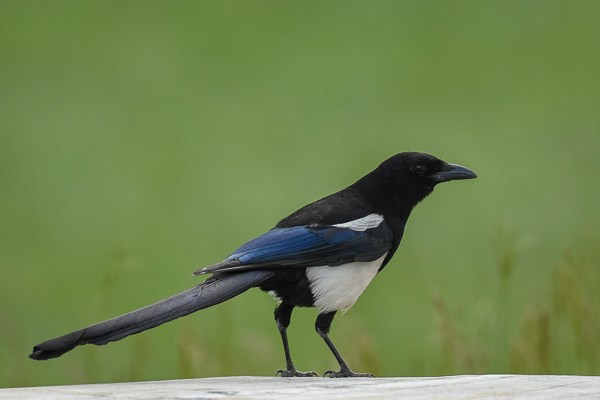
(135, 136)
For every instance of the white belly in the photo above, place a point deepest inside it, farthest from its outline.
(337, 288)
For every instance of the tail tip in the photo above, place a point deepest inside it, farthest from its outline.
(37, 354)
(58, 346)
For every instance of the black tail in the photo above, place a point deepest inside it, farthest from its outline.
(209, 293)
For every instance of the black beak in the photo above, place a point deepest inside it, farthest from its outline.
(453, 172)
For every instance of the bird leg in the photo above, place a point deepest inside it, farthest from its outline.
(322, 325)
(283, 314)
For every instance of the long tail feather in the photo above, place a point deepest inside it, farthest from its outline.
(209, 293)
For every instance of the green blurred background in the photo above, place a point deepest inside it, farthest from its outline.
(136, 136)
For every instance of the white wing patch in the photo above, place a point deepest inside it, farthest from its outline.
(338, 288)
(362, 224)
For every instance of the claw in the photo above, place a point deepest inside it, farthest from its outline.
(346, 374)
(294, 373)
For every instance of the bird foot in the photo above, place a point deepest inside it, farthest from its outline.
(291, 373)
(346, 373)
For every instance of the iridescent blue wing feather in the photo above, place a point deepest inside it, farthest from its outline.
(306, 246)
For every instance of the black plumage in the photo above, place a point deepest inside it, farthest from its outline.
(322, 255)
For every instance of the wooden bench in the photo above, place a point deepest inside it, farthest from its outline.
(249, 387)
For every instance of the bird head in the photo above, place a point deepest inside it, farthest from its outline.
(410, 177)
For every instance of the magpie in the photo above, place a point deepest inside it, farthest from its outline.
(323, 255)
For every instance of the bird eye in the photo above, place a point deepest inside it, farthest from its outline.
(420, 169)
